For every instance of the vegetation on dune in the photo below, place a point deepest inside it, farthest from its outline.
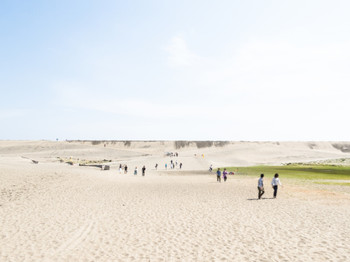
(73, 161)
(200, 144)
(344, 147)
(308, 172)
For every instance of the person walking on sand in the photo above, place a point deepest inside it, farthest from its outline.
(166, 166)
(143, 171)
(180, 165)
(275, 182)
(261, 186)
(156, 166)
(218, 175)
(120, 168)
(135, 171)
(224, 175)
(125, 169)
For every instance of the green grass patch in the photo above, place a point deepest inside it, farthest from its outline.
(309, 172)
(333, 183)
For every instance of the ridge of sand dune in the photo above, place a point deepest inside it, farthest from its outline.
(191, 154)
(52, 211)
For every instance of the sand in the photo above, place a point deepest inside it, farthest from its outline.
(52, 211)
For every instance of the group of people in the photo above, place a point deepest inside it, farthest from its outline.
(172, 154)
(173, 165)
(274, 183)
(218, 175)
(125, 168)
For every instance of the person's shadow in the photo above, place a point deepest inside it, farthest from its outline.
(263, 198)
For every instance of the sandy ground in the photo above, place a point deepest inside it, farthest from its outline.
(52, 211)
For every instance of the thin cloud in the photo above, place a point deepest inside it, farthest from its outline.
(179, 54)
(81, 98)
(274, 68)
(12, 113)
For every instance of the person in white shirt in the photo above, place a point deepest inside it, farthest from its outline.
(275, 182)
(261, 186)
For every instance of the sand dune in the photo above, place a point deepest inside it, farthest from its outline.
(52, 211)
(151, 152)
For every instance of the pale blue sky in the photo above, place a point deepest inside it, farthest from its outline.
(201, 70)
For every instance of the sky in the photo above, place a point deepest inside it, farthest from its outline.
(175, 70)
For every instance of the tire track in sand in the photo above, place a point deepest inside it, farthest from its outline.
(76, 238)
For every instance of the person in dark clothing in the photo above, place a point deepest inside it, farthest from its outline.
(261, 186)
(143, 171)
(218, 175)
(224, 175)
